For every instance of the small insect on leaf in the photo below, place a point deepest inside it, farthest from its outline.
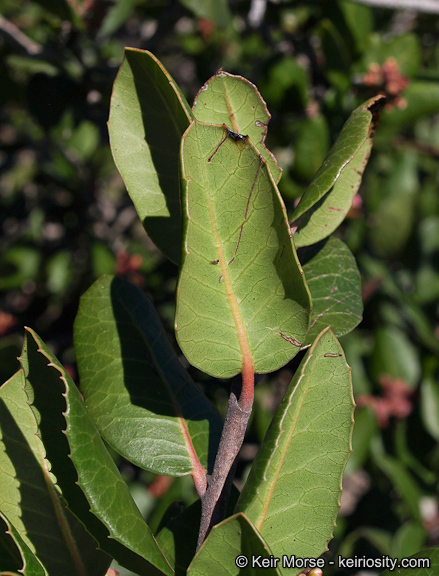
(235, 136)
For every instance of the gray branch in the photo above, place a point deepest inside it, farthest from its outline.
(431, 6)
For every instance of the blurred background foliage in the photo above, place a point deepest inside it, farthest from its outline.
(66, 218)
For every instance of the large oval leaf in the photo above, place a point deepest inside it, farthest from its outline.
(85, 472)
(328, 198)
(241, 292)
(148, 116)
(293, 490)
(141, 398)
(236, 102)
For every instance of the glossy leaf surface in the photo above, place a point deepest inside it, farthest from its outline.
(335, 285)
(293, 490)
(233, 538)
(328, 198)
(236, 102)
(141, 398)
(241, 286)
(85, 472)
(148, 116)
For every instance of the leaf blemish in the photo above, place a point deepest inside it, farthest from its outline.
(289, 339)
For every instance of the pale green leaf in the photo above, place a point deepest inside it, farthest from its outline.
(236, 102)
(216, 11)
(292, 493)
(328, 198)
(241, 292)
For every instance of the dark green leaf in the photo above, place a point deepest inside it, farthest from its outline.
(29, 564)
(30, 498)
(430, 564)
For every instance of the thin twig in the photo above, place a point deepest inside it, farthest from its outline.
(431, 6)
(214, 501)
(17, 37)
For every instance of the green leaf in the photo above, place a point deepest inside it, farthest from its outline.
(400, 477)
(408, 539)
(178, 535)
(292, 493)
(85, 472)
(140, 397)
(147, 119)
(19, 263)
(30, 566)
(241, 292)
(430, 405)
(30, 498)
(396, 356)
(232, 538)
(422, 98)
(335, 285)
(328, 198)
(393, 218)
(365, 429)
(236, 102)
(430, 564)
(215, 10)
(311, 147)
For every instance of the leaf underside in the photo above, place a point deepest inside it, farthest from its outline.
(241, 290)
(236, 102)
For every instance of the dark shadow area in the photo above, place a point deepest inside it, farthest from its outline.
(164, 123)
(34, 496)
(153, 376)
